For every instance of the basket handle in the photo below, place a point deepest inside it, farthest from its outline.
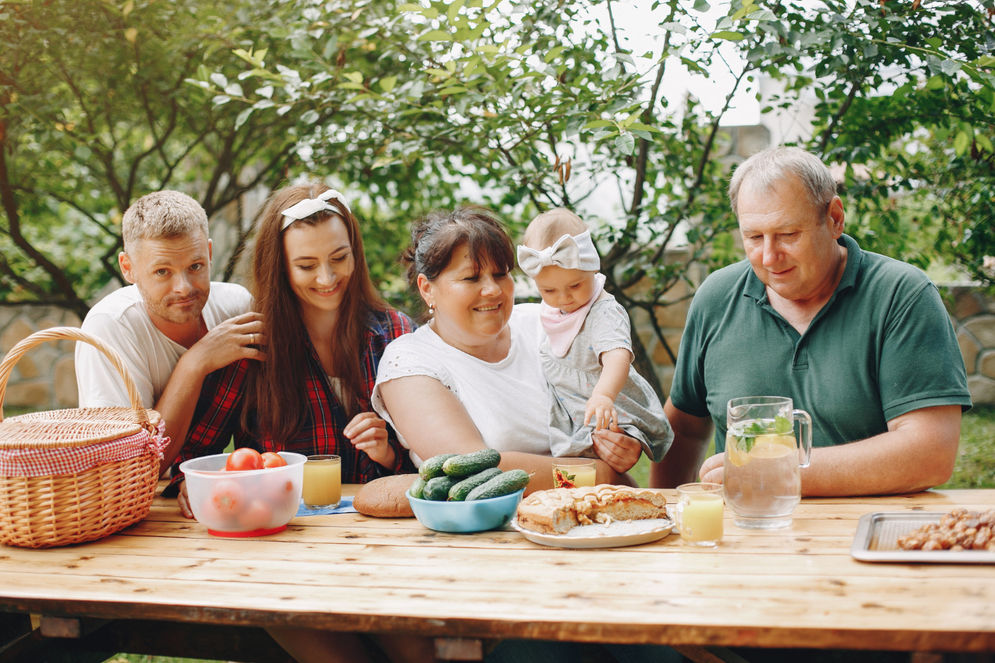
(72, 334)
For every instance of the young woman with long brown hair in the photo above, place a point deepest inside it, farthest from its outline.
(324, 330)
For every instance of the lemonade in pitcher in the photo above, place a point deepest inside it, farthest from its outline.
(761, 476)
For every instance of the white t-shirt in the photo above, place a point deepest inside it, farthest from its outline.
(121, 321)
(507, 400)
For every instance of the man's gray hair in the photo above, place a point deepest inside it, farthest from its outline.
(767, 168)
(162, 215)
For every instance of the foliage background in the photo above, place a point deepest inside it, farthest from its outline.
(521, 106)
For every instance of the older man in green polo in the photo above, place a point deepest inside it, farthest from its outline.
(859, 340)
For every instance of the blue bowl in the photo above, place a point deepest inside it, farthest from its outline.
(472, 516)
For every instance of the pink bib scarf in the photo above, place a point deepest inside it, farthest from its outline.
(562, 328)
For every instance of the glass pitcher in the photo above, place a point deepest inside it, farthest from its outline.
(763, 460)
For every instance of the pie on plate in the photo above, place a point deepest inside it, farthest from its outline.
(558, 511)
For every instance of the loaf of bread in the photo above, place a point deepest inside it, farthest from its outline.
(385, 497)
(559, 510)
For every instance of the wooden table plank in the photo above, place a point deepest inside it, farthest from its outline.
(792, 587)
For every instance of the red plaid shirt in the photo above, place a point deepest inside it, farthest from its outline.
(218, 414)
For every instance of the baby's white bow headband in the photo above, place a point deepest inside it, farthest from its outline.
(309, 206)
(569, 252)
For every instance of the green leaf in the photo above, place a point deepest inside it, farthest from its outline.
(728, 35)
(387, 84)
(961, 142)
(985, 61)
(597, 124)
(454, 8)
(935, 82)
(984, 142)
(242, 117)
(783, 425)
(553, 54)
(741, 12)
(452, 89)
(701, 6)
(642, 127)
(950, 67)
(436, 35)
(625, 143)
(354, 76)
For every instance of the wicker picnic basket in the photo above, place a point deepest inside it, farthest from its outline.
(68, 476)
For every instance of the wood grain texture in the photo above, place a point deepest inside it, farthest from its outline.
(797, 587)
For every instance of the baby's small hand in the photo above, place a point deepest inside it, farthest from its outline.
(600, 412)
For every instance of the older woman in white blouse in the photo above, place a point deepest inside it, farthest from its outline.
(471, 378)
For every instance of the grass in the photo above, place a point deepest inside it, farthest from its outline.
(976, 457)
(975, 466)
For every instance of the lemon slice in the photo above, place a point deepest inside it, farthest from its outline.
(773, 445)
(737, 456)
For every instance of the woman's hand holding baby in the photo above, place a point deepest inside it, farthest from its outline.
(616, 448)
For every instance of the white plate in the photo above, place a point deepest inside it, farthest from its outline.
(614, 535)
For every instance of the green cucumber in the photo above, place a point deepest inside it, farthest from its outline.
(503, 484)
(466, 465)
(417, 488)
(432, 467)
(437, 489)
(460, 490)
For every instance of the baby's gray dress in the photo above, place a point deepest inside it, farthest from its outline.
(572, 378)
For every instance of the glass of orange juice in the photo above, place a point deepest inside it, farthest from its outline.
(574, 472)
(699, 513)
(322, 481)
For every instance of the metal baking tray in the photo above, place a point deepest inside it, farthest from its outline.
(877, 535)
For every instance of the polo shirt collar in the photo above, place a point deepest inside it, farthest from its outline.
(755, 289)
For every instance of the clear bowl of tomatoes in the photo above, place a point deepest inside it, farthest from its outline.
(241, 494)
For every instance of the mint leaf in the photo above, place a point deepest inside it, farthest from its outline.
(782, 425)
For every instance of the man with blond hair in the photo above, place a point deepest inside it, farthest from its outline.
(859, 340)
(172, 326)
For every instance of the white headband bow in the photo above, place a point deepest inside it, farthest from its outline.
(569, 252)
(309, 206)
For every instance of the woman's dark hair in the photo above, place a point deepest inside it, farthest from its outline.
(436, 237)
(277, 385)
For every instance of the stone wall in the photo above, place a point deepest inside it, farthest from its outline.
(973, 315)
(44, 377)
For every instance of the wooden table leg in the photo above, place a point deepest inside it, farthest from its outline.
(459, 649)
(69, 627)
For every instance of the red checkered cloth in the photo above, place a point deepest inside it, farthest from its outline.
(217, 418)
(73, 460)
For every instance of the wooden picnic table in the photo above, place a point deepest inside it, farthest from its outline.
(796, 587)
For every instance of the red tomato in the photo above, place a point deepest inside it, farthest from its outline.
(226, 498)
(244, 459)
(257, 515)
(273, 459)
(282, 496)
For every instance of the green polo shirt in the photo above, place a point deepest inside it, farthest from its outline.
(881, 347)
